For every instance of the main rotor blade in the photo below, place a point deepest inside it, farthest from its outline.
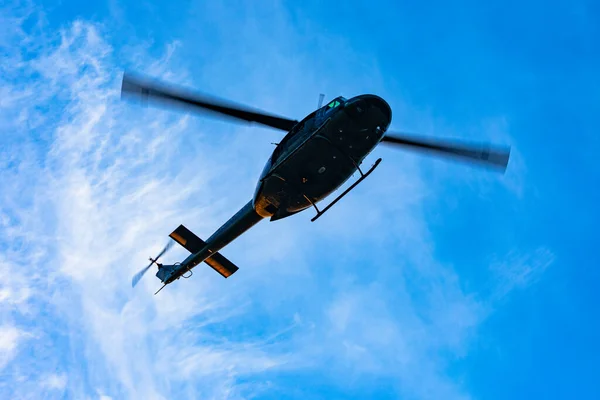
(146, 89)
(497, 157)
(136, 278)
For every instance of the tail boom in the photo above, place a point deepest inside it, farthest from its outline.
(194, 244)
(208, 251)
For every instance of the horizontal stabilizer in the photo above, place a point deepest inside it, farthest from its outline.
(194, 244)
(187, 239)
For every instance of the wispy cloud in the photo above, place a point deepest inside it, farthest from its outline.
(106, 193)
(55, 382)
(518, 270)
(10, 337)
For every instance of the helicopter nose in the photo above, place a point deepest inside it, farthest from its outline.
(362, 103)
(380, 104)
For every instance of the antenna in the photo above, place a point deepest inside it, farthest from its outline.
(321, 97)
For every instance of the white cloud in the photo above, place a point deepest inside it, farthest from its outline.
(107, 181)
(10, 337)
(518, 270)
(55, 381)
(394, 334)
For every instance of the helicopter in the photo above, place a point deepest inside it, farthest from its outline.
(317, 155)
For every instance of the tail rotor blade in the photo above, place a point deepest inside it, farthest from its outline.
(167, 247)
(136, 278)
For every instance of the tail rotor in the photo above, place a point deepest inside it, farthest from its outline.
(136, 278)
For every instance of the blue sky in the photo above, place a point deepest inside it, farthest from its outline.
(431, 280)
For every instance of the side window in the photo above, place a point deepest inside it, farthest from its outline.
(287, 140)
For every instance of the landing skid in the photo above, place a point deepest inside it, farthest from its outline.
(362, 178)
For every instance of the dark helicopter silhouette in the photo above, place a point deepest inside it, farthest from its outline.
(315, 157)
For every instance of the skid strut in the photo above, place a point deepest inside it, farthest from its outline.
(362, 178)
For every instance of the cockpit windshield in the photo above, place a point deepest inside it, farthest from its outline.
(335, 102)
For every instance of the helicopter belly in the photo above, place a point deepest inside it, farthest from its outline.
(311, 173)
(318, 167)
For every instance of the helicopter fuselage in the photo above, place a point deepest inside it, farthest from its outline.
(314, 159)
(319, 154)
